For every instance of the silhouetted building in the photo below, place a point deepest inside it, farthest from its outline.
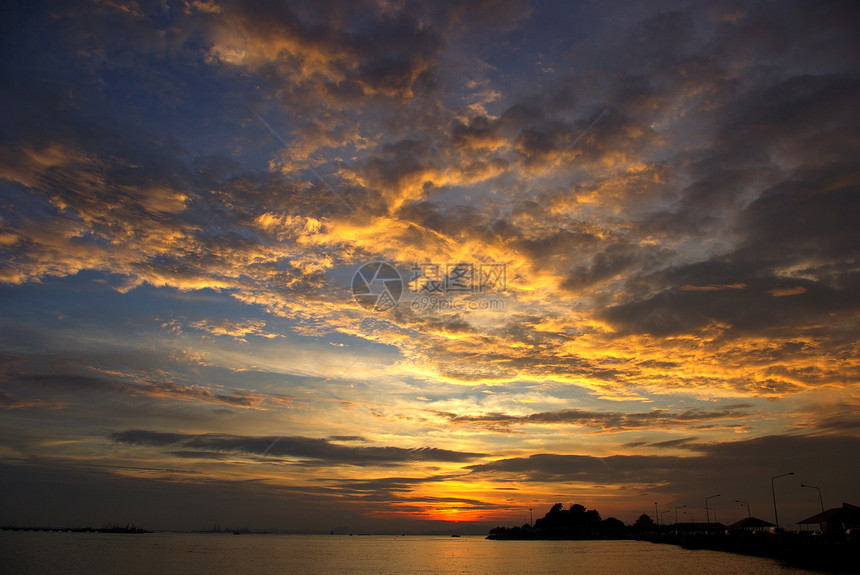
(751, 525)
(836, 520)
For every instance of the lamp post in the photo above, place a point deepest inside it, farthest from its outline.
(707, 512)
(773, 494)
(820, 500)
(676, 512)
(531, 521)
(656, 515)
(745, 504)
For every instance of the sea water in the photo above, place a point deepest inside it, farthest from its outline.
(36, 553)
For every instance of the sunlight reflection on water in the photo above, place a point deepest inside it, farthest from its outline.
(190, 554)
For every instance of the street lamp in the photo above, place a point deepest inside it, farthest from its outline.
(676, 512)
(820, 500)
(531, 521)
(707, 512)
(773, 494)
(745, 504)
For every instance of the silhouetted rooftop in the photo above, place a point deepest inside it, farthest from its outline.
(846, 514)
(751, 523)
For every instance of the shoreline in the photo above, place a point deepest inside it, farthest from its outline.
(814, 552)
(806, 551)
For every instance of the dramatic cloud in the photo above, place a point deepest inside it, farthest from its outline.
(629, 226)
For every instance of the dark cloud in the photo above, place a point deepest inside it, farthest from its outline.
(342, 50)
(304, 448)
(389, 489)
(610, 262)
(737, 470)
(830, 418)
(347, 438)
(368, 50)
(606, 470)
(493, 15)
(8, 401)
(140, 437)
(750, 293)
(839, 423)
(682, 442)
(63, 496)
(780, 203)
(607, 421)
(46, 389)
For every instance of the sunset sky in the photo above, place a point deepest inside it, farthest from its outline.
(626, 236)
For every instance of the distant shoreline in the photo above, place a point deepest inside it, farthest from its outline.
(112, 529)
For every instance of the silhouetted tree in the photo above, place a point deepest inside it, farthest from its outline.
(592, 517)
(612, 526)
(644, 523)
(576, 522)
(553, 519)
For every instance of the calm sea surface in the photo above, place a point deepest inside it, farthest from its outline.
(190, 554)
